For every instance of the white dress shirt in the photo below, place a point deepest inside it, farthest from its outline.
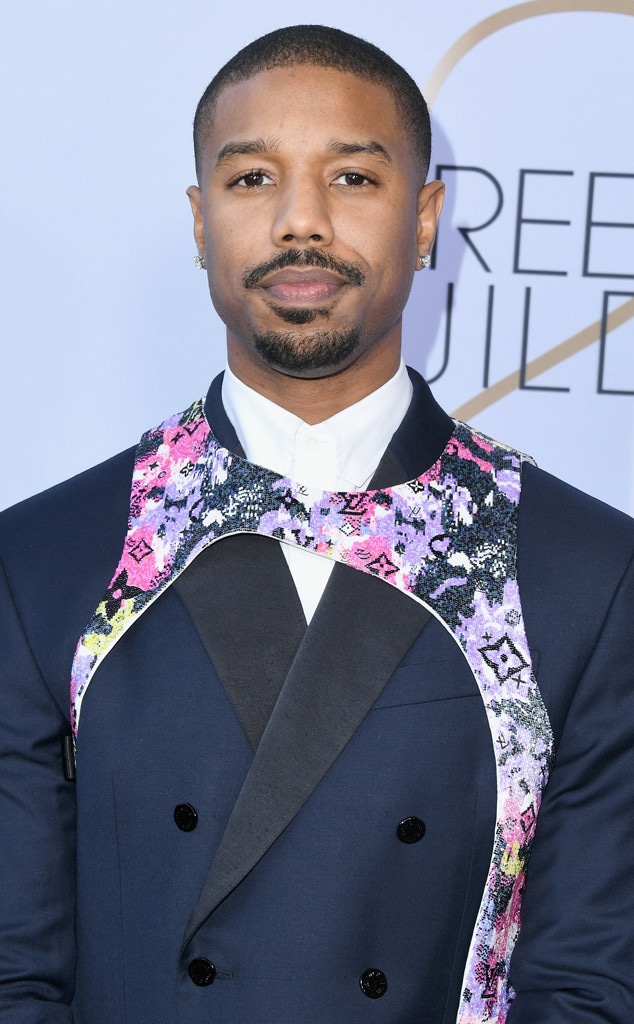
(339, 454)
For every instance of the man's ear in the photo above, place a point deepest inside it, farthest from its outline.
(430, 200)
(195, 201)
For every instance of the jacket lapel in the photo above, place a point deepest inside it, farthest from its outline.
(223, 592)
(335, 677)
(333, 682)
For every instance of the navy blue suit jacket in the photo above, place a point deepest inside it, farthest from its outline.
(185, 839)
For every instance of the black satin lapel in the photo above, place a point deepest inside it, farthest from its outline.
(242, 600)
(360, 632)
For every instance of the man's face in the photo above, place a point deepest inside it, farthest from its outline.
(311, 218)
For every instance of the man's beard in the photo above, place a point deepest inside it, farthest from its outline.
(297, 354)
(322, 349)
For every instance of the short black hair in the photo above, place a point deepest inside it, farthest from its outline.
(328, 48)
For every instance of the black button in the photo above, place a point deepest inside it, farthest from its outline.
(373, 983)
(410, 830)
(201, 971)
(185, 817)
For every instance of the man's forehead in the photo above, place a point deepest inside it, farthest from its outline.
(254, 107)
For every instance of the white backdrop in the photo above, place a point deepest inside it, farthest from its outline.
(106, 327)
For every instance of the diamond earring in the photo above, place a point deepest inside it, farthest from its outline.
(200, 262)
(425, 261)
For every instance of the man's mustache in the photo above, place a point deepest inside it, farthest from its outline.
(304, 258)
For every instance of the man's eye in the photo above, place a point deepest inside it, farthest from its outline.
(353, 179)
(254, 179)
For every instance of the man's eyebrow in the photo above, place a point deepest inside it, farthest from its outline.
(247, 147)
(351, 148)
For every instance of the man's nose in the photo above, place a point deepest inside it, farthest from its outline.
(302, 215)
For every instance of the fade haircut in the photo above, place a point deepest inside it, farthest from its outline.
(320, 46)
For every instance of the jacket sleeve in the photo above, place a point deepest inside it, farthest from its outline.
(37, 838)
(574, 960)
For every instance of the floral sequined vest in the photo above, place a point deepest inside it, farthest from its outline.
(447, 539)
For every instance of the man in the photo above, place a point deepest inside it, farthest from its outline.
(308, 774)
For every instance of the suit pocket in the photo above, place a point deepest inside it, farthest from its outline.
(434, 668)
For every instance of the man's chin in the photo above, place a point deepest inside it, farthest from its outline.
(320, 353)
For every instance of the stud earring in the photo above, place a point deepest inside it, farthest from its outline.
(200, 262)
(425, 261)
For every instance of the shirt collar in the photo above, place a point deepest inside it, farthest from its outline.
(341, 453)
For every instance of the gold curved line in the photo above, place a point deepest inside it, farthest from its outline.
(510, 16)
(546, 361)
(466, 42)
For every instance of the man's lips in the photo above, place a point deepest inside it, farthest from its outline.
(294, 286)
